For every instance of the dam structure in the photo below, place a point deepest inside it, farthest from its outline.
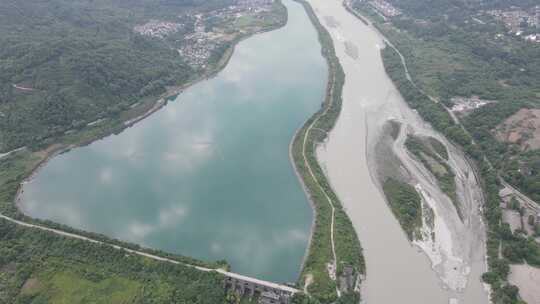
(267, 292)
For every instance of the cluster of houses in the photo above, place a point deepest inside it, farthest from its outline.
(210, 30)
(519, 214)
(519, 21)
(253, 3)
(155, 28)
(384, 8)
(465, 105)
(198, 47)
(200, 44)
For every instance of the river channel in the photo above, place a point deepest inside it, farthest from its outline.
(209, 175)
(446, 271)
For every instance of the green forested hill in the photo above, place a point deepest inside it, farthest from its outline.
(78, 61)
(41, 267)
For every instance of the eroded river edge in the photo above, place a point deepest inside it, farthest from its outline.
(446, 270)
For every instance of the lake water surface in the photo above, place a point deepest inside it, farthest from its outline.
(209, 175)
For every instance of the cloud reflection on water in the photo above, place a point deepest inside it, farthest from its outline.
(208, 175)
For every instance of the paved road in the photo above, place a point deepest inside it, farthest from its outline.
(328, 199)
(529, 203)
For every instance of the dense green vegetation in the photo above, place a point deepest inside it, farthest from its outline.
(41, 267)
(346, 298)
(450, 54)
(13, 169)
(83, 62)
(438, 147)
(348, 250)
(406, 204)
(449, 58)
(519, 168)
(516, 246)
(432, 112)
(435, 163)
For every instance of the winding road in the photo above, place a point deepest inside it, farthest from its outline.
(328, 199)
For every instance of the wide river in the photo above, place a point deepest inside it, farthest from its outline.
(397, 272)
(209, 175)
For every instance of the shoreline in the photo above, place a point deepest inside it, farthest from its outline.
(293, 162)
(326, 100)
(308, 196)
(159, 102)
(47, 154)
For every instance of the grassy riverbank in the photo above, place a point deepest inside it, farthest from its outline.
(347, 247)
(406, 205)
(432, 159)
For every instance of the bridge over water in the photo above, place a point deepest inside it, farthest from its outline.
(248, 286)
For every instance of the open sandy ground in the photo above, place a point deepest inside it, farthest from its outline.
(528, 280)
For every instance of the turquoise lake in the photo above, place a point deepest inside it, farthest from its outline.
(208, 175)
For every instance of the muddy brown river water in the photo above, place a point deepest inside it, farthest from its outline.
(447, 270)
